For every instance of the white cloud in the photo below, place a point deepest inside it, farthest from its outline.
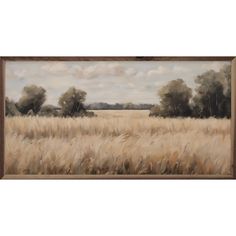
(160, 70)
(140, 75)
(181, 69)
(102, 69)
(131, 85)
(16, 73)
(131, 72)
(88, 70)
(55, 67)
(101, 85)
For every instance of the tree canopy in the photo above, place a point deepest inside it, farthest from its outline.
(174, 99)
(212, 95)
(71, 102)
(32, 99)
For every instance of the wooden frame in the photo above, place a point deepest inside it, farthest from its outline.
(233, 117)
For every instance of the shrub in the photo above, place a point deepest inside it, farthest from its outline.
(49, 111)
(10, 108)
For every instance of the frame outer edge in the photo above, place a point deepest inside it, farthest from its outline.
(2, 112)
(233, 116)
(118, 58)
(233, 112)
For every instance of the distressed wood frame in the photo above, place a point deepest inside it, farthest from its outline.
(139, 58)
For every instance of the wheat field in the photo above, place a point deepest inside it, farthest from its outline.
(117, 142)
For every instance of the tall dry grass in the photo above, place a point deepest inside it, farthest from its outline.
(117, 142)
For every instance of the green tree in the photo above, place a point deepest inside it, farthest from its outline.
(174, 99)
(71, 102)
(210, 99)
(32, 99)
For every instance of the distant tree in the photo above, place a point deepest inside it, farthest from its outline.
(118, 106)
(128, 106)
(210, 99)
(174, 99)
(10, 108)
(49, 110)
(32, 98)
(98, 106)
(71, 102)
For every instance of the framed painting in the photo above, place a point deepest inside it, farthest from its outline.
(117, 117)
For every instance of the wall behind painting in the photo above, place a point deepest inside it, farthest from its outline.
(117, 28)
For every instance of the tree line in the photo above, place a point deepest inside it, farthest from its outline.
(33, 97)
(71, 103)
(211, 97)
(118, 106)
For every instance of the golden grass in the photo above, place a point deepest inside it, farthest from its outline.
(117, 142)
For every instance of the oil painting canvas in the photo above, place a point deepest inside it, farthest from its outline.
(117, 118)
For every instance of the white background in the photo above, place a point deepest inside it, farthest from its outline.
(117, 28)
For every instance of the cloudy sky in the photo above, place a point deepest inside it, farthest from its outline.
(111, 82)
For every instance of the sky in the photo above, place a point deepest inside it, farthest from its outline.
(107, 81)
